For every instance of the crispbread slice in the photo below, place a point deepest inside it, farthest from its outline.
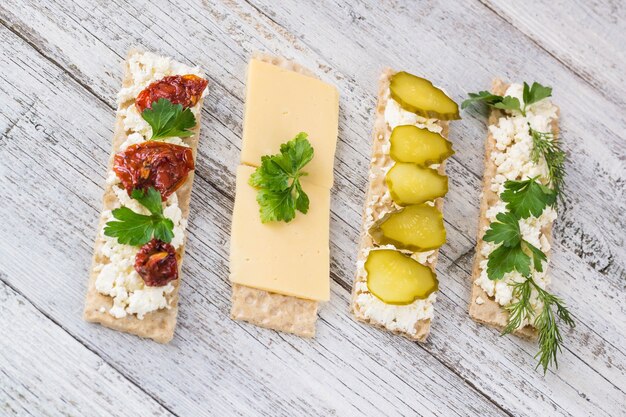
(158, 325)
(267, 309)
(377, 188)
(489, 311)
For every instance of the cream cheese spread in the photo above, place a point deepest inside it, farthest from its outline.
(402, 318)
(117, 277)
(513, 160)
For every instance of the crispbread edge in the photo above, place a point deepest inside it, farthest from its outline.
(490, 312)
(381, 133)
(267, 309)
(158, 325)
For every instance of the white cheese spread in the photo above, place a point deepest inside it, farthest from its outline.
(513, 161)
(401, 318)
(146, 68)
(117, 277)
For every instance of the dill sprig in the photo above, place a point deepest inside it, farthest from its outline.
(525, 198)
(545, 146)
(550, 338)
(520, 310)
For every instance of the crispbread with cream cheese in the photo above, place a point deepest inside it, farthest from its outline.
(377, 188)
(158, 325)
(489, 311)
(267, 309)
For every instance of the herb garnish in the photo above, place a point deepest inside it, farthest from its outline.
(544, 144)
(278, 181)
(168, 120)
(550, 338)
(524, 199)
(137, 229)
(515, 253)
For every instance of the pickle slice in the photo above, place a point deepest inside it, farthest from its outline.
(417, 228)
(420, 146)
(411, 184)
(395, 278)
(421, 97)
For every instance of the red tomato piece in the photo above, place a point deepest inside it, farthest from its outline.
(179, 89)
(161, 165)
(156, 263)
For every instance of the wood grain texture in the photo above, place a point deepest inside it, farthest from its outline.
(61, 66)
(45, 371)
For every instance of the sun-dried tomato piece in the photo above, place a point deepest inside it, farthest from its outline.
(161, 165)
(179, 89)
(156, 263)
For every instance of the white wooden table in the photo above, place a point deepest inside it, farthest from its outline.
(60, 70)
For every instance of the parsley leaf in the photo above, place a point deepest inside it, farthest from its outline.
(138, 229)
(493, 100)
(505, 259)
(535, 93)
(526, 198)
(150, 199)
(280, 193)
(537, 255)
(482, 96)
(530, 95)
(513, 254)
(505, 230)
(168, 120)
(508, 103)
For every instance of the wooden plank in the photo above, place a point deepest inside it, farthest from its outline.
(213, 362)
(585, 37)
(455, 57)
(45, 371)
(228, 28)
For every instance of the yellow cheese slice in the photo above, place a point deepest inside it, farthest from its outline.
(280, 104)
(286, 258)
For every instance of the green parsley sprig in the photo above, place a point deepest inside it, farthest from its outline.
(544, 143)
(530, 95)
(524, 199)
(280, 193)
(169, 120)
(514, 253)
(136, 229)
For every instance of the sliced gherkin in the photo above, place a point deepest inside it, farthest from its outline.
(421, 97)
(395, 278)
(417, 228)
(420, 146)
(412, 184)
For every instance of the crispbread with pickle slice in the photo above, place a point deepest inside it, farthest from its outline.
(377, 187)
(490, 312)
(158, 325)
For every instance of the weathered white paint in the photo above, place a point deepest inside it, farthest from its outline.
(45, 371)
(61, 67)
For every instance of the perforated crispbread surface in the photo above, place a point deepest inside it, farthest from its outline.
(490, 312)
(377, 188)
(158, 325)
(267, 309)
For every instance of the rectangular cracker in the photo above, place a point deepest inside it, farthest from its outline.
(490, 312)
(376, 188)
(158, 325)
(267, 309)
